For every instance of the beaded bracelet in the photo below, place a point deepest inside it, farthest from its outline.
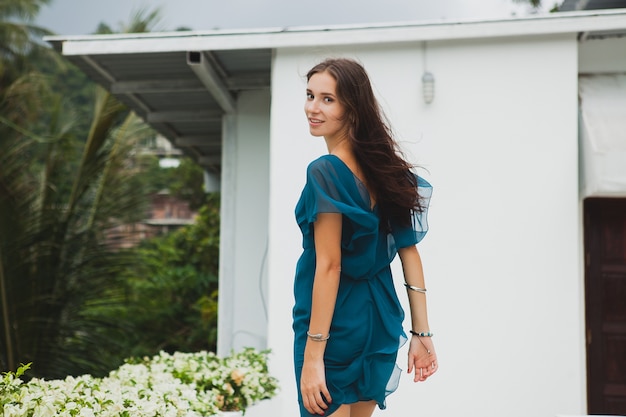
(416, 289)
(421, 334)
(318, 337)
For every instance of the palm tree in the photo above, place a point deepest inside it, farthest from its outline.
(18, 37)
(17, 97)
(54, 260)
(58, 196)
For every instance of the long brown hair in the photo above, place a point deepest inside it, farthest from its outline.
(387, 174)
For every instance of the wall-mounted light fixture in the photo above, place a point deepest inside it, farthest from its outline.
(428, 80)
(428, 87)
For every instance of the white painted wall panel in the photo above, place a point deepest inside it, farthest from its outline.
(502, 259)
(245, 210)
(500, 142)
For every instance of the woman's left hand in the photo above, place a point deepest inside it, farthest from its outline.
(422, 358)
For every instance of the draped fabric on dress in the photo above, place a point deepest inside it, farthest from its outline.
(366, 330)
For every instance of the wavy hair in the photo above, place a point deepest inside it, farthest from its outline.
(387, 174)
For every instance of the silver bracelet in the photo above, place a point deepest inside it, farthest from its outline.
(416, 289)
(318, 337)
(421, 334)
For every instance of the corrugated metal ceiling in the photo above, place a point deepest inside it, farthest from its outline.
(165, 91)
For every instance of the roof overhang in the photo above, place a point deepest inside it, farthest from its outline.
(182, 83)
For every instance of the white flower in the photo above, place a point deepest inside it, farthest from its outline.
(44, 410)
(177, 385)
(87, 412)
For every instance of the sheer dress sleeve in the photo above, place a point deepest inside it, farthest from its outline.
(413, 234)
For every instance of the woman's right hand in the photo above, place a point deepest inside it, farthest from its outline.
(315, 395)
(422, 358)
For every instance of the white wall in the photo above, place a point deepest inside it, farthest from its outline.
(244, 214)
(499, 144)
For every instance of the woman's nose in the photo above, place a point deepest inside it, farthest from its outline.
(311, 106)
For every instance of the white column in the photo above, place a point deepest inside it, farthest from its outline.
(227, 236)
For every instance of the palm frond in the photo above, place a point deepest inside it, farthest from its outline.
(22, 9)
(23, 101)
(143, 20)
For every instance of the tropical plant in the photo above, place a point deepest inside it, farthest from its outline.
(53, 260)
(69, 302)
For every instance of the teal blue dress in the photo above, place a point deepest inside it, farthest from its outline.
(366, 330)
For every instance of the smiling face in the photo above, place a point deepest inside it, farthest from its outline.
(322, 108)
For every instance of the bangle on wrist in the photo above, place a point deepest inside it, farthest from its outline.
(318, 337)
(416, 289)
(421, 334)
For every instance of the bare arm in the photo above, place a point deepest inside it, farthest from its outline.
(422, 356)
(327, 232)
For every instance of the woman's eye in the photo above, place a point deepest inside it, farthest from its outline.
(328, 99)
(309, 96)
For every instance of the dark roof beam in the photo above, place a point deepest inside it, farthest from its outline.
(111, 80)
(204, 141)
(210, 160)
(208, 75)
(156, 86)
(184, 116)
(98, 68)
(248, 82)
(164, 129)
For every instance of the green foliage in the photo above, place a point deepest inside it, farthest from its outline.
(10, 385)
(171, 294)
(18, 39)
(53, 261)
(76, 92)
(68, 173)
(185, 182)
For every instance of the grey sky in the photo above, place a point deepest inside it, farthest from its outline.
(78, 17)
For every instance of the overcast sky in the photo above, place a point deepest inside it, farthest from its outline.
(79, 17)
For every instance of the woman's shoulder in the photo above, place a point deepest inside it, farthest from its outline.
(324, 165)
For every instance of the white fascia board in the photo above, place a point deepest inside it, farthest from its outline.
(549, 24)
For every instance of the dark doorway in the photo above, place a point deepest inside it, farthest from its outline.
(605, 300)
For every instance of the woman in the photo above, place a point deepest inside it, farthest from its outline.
(361, 204)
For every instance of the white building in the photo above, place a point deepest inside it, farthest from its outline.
(528, 122)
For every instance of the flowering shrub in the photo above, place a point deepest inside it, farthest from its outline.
(237, 381)
(179, 385)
